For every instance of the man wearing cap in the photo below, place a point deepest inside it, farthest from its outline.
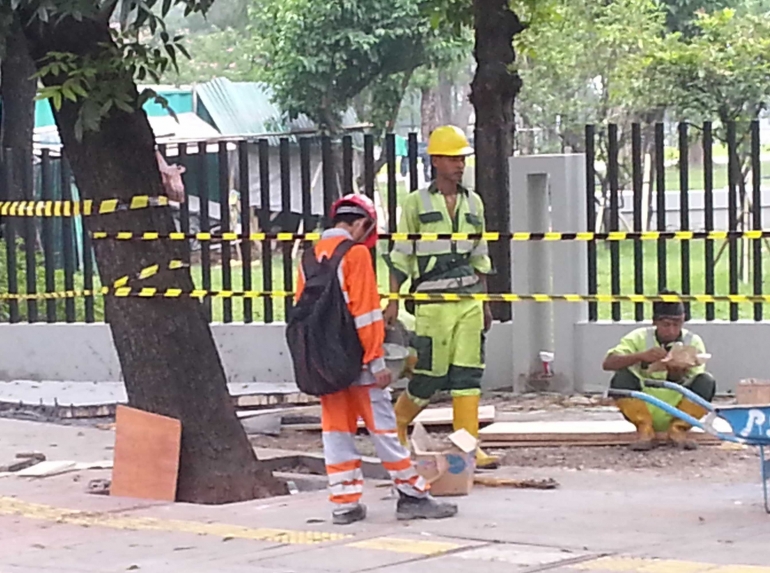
(449, 336)
(631, 360)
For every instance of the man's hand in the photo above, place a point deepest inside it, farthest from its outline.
(390, 314)
(654, 354)
(487, 317)
(383, 378)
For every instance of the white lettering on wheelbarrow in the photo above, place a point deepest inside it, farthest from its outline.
(755, 418)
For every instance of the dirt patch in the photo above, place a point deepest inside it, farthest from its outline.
(310, 442)
(712, 463)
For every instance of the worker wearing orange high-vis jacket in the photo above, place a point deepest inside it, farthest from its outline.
(354, 218)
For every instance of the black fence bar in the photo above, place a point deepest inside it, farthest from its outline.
(329, 184)
(288, 263)
(204, 221)
(369, 181)
(223, 166)
(637, 176)
(756, 211)
(30, 240)
(390, 159)
(68, 237)
(263, 148)
(347, 165)
(369, 174)
(684, 212)
(184, 208)
(88, 273)
(306, 184)
(708, 210)
(49, 265)
(660, 176)
(10, 239)
(590, 133)
(414, 181)
(614, 223)
(732, 215)
(245, 199)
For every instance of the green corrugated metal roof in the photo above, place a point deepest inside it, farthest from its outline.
(247, 109)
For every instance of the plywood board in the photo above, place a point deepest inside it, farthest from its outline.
(589, 431)
(147, 447)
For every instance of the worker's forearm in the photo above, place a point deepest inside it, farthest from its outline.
(394, 285)
(616, 362)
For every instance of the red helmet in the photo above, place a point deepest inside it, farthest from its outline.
(358, 204)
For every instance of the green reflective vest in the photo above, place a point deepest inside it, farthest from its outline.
(441, 265)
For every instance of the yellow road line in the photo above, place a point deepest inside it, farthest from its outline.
(643, 565)
(400, 545)
(11, 506)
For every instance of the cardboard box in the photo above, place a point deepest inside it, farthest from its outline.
(448, 465)
(753, 392)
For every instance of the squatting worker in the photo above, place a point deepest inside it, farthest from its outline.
(449, 336)
(631, 360)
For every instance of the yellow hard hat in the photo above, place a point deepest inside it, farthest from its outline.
(450, 141)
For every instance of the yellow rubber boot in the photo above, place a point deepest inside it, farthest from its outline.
(466, 416)
(636, 412)
(677, 431)
(406, 411)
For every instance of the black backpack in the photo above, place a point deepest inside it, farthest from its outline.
(321, 333)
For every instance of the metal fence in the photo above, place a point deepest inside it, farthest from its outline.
(639, 178)
(276, 185)
(695, 178)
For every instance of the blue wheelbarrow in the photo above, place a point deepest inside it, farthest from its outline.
(750, 424)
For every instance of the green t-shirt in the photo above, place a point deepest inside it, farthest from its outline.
(643, 339)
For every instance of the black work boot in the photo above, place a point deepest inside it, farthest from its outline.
(409, 507)
(348, 515)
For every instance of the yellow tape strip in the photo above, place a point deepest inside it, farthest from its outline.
(76, 208)
(432, 237)
(121, 290)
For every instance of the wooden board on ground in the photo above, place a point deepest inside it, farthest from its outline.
(147, 450)
(589, 432)
(428, 417)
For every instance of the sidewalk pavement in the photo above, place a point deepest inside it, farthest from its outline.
(597, 522)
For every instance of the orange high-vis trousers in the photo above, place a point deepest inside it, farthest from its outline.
(339, 419)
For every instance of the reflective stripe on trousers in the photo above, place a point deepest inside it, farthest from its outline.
(339, 419)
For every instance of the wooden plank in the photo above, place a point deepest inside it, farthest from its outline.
(581, 432)
(147, 447)
(428, 417)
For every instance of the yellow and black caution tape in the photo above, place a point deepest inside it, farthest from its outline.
(152, 292)
(490, 237)
(86, 207)
(148, 272)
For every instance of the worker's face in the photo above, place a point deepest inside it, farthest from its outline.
(449, 168)
(360, 229)
(669, 328)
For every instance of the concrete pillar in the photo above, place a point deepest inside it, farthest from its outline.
(547, 195)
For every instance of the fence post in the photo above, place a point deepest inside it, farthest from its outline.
(10, 240)
(46, 194)
(638, 189)
(590, 169)
(223, 173)
(756, 188)
(684, 211)
(68, 238)
(244, 186)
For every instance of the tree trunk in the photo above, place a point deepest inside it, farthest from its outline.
(18, 91)
(446, 96)
(430, 112)
(493, 91)
(169, 361)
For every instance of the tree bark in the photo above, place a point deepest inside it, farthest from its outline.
(430, 113)
(493, 91)
(169, 361)
(18, 90)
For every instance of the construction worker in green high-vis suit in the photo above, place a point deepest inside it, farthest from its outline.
(449, 336)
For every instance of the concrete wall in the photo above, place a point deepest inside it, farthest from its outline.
(249, 352)
(737, 348)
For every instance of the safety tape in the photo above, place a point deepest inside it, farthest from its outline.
(148, 272)
(490, 237)
(151, 292)
(75, 208)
